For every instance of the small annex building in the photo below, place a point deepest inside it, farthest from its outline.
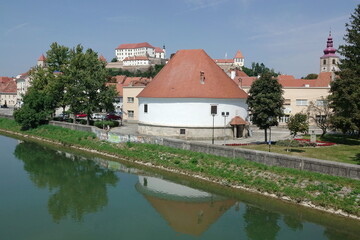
(192, 98)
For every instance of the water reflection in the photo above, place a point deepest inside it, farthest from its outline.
(186, 210)
(78, 185)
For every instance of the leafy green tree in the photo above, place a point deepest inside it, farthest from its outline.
(88, 77)
(258, 69)
(311, 76)
(265, 102)
(39, 101)
(298, 124)
(345, 90)
(114, 59)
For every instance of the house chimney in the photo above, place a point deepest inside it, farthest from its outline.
(202, 77)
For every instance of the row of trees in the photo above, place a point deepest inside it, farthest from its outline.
(73, 78)
(341, 110)
(257, 69)
(149, 73)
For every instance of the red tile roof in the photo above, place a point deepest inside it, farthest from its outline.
(124, 81)
(183, 75)
(238, 121)
(239, 54)
(134, 45)
(101, 58)
(159, 50)
(136, 58)
(5, 79)
(289, 81)
(42, 58)
(8, 87)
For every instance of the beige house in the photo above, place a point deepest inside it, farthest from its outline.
(7, 91)
(131, 103)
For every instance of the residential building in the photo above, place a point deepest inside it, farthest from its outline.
(192, 98)
(7, 92)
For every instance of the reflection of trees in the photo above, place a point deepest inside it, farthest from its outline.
(261, 224)
(80, 185)
(336, 234)
(293, 223)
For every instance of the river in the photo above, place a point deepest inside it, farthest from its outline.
(47, 193)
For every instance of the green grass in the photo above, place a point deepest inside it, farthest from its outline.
(323, 190)
(347, 149)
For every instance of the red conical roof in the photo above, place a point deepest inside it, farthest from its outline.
(42, 58)
(239, 54)
(101, 58)
(192, 74)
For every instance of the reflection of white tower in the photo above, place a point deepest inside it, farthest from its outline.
(187, 210)
(329, 61)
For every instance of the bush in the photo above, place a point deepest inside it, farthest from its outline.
(102, 124)
(295, 143)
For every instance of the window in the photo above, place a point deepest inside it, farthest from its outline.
(145, 108)
(334, 61)
(182, 131)
(130, 99)
(324, 61)
(130, 113)
(287, 102)
(213, 109)
(301, 102)
(321, 102)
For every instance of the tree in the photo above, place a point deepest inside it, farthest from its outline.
(311, 76)
(298, 124)
(345, 90)
(265, 102)
(321, 113)
(88, 77)
(114, 59)
(259, 68)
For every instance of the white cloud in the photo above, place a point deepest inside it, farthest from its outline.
(194, 5)
(17, 27)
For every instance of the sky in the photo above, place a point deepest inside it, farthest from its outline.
(286, 35)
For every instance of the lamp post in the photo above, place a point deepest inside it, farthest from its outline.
(213, 128)
(269, 121)
(225, 114)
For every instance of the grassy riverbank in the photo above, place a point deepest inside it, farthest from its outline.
(346, 150)
(307, 188)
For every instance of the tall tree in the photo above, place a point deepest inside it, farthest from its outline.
(88, 78)
(265, 102)
(345, 90)
(320, 113)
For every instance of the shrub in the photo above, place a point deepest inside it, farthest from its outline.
(101, 124)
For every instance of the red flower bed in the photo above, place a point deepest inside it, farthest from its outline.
(318, 143)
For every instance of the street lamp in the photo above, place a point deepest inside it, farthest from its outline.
(213, 128)
(224, 114)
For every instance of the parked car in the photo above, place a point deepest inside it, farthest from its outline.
(62, 115)
(81, 115)
(112, 116)
(97, 116)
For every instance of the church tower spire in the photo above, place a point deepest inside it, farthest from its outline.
(329, 61)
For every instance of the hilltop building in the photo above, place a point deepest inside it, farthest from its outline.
(192, 98)
(227, 64)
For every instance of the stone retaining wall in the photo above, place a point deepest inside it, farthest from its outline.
(267, 158)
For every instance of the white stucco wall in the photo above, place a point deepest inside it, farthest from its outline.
(189, 112)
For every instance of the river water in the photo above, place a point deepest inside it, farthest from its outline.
(48, 193)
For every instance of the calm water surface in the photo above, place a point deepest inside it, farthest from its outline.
(52, 194)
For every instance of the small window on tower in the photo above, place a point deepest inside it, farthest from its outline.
(334, 61)
(182, 131)
(324, 61)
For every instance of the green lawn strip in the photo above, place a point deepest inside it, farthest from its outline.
(338, 153)
(323, 190)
